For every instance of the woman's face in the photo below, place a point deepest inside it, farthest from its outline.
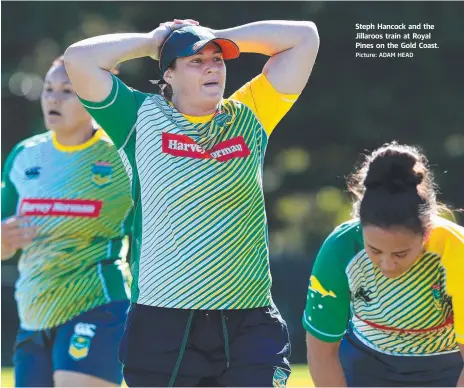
(61, 108)
(393, 250)
(200, 78)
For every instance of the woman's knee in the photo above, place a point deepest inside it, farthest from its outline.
(64, 378)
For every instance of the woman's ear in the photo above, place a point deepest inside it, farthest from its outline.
(427, 236)
(167, 75)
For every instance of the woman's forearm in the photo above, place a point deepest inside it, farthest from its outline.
(106, 51)
(461, 380)
(271, 37)
(326, 371)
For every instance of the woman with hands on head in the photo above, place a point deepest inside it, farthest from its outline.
(202, 311)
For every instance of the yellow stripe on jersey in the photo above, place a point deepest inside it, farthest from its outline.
(199, 119)
(195, 119)
(265, 101)
(447, 240)
(65, 148)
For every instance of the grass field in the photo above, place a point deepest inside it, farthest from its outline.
(299, 377)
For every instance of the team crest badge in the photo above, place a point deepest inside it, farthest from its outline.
(279, 379)
(80, 341)
(79, 347)
(437, 297)
(221, 118)
(102, 173)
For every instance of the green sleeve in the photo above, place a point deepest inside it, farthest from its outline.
(117, 113)
(328, 302)
(9, 194)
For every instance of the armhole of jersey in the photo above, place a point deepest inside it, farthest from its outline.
(109, 100)
(268, 105)
(117, 114)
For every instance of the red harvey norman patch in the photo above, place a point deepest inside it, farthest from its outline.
(184, 146)
(60, 207)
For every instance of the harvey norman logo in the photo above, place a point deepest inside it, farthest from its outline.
(60, 207)
(184, 146)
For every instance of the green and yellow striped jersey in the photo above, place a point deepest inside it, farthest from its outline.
(419, 313)
(200, 231)
(79, 198)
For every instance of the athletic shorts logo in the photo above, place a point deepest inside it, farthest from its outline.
(86, 329)
(102, 173)
(79, 345)
(280, 378)
(184, 146)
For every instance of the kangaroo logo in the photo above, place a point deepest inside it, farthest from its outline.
(316, 286)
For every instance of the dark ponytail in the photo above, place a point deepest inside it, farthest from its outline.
(166, 91)
(394, 187)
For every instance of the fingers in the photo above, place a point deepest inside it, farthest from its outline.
(179, 23)
(11, 223)
(186, 21)
(19, 242)
(17, 232)
(15, 223)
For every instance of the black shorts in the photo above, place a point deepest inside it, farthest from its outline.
(174, 347)
(365, 367)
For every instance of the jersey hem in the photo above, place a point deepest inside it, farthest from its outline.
(388, 353)
(71, 317)
(267, 303)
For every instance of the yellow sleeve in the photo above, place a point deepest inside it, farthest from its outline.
(449, 241)
(267, 104)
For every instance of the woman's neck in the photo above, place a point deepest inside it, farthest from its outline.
(76, 137)
(189, 109)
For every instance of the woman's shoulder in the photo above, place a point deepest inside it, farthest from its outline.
(445, 229)
(344, 241)
(447, 240)
(30, 143)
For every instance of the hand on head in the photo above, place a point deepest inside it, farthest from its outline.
(165, 28)
(179, 23)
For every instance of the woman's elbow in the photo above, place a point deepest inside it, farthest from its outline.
(74, 55)
(309, 36)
